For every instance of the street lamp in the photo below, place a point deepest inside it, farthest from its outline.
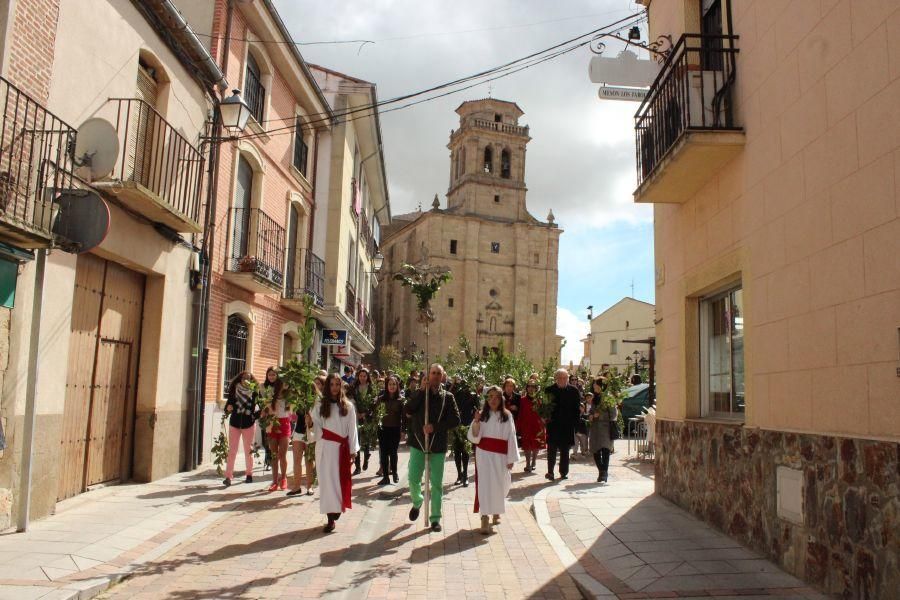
(377, 262)
(235, 111)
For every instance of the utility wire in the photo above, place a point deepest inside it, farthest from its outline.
(408, 37)
(507, 68)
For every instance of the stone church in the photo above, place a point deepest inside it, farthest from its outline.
(503, 260)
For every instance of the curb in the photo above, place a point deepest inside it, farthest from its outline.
(587, 585)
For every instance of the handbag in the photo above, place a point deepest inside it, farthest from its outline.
(614, 430)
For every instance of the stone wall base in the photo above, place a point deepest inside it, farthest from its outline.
(847, 540)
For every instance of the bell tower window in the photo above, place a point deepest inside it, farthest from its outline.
(488, 159)
(504, 164)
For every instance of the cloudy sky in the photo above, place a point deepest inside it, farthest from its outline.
(581, 157)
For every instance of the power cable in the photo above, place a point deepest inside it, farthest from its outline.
(504, 70)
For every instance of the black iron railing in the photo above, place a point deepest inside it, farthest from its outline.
(693, 91)
(257, 245)
(306, 277)
(156, 157)
(254, 95)
(35, 161)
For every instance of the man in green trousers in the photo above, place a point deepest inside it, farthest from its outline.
(443, 415)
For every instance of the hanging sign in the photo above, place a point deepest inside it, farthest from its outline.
(334, 337)
(614, 92)
(626, 70)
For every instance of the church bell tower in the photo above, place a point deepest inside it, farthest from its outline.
(487, 161)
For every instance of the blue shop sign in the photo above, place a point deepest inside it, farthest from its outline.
(334, 337)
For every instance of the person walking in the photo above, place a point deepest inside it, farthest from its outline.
(468, 403)
(530, 426)
(303, 446)
(603, 417)
(362, 393)
(243, 412)
(581, 428)
(443, 415)
(279, 434)
(334, 420)
(493, 432)
(511, 398)
(566, 411)
(390, 429)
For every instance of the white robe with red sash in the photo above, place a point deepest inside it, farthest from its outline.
(328, 456)
(493, 478)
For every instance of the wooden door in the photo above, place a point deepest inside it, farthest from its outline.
(102, 375)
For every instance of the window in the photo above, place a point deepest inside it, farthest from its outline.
(497, 198)
(462, 161)
(534, 309)
(722, 354)
(505, 168)
(449, 302)
(254, 92)
(301, 150)
(613, 346)
(537, 258)
(488, 159)
(497, 118)
(236, 335)
(495, 247)
(287, 348)
(452, 246)
(243, 195)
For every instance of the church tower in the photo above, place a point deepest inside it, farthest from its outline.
(503, 260)
(487, 161)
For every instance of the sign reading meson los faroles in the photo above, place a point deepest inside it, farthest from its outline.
(334, 337)
(611, 92)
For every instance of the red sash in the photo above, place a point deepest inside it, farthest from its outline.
(488, 444)
(344, 470)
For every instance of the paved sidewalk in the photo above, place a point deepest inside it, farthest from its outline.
(620, 540)
(92, 538)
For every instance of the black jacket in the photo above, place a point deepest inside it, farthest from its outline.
(243, 414)
(443, 413)
(468, 402)
(565, 416)
(393, 413)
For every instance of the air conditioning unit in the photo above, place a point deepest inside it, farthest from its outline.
(702, 89)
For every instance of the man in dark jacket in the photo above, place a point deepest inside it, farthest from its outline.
(566, 401)
(468, 403)
(443, 415)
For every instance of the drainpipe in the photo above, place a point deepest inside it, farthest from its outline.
(200, 321)
(31, 393)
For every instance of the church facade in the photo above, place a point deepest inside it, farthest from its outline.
(503, 260)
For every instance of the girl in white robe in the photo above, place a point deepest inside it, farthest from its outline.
(493, 433)
(334, 421)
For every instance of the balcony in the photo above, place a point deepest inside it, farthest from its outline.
(306, 277)
(158, 174)
(256, 259)
(35, 163)
(685, 128)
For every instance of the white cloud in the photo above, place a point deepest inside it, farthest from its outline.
(574, 328)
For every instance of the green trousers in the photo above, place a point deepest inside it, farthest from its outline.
(416, 470)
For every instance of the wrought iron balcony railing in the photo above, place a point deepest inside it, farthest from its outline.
(155, 158)
(35, 162)
(693, 92)
(306, 277)
(257, 246)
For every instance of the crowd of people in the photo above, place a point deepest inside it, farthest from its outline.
(365, 411)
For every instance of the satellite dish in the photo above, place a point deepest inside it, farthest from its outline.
(82, 218)
(97, 147)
